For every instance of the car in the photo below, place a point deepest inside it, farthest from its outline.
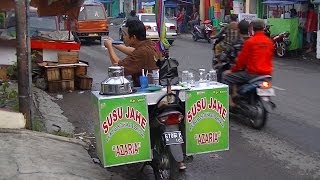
(149, 21)
(45, 23)
(92, 22)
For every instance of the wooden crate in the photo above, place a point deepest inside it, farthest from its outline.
(53, 74)
(66, 57)
(67, 85)
(83, 82)
(67, 73)
(81, 70)
(54, 86)
(3, 73)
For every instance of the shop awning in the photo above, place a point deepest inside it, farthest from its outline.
(49, 7)
(148, 3)
(278, 2)
(286, 2)
(106, 1)
(185, 1)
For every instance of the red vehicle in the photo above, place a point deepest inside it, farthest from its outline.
(281, 41)
(92, 21)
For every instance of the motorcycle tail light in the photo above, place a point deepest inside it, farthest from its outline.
(171, 119)
(172, 28)
(265, 85)
(163, 119)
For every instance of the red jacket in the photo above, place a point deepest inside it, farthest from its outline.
(311, 22)
(256, 55)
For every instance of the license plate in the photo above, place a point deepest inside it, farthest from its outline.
(265, 92)
(174, 137)
(93, 34)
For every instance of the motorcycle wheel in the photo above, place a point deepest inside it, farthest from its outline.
(165, 166)
(281, 49)
(260, 119)
(194, 37)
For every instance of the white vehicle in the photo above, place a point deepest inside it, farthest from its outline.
(149, 21)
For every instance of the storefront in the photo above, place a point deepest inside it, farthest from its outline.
(108, 6)
(287, 16)
(171, 8)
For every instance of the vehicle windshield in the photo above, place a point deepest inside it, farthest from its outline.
(91, 13)
(151, 18)
(43, 23)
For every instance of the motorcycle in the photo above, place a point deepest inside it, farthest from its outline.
(254, 97)
(167, 139)
(204, 31)
(281, 41)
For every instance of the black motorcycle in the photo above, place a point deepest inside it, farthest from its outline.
(204, 31)
(166, 137)
(254, 97)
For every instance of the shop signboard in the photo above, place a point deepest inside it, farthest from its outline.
(247, 17)
(207, 120)
(122, 130)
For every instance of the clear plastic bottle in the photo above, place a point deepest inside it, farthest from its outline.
(202, 75)
(212, 75)
(191, 80)
(155, 76)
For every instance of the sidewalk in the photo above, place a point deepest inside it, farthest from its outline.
(30, 155)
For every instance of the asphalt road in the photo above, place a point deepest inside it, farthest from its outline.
(287, 148)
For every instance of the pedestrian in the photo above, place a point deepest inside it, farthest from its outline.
(180, 19)
(311, 27)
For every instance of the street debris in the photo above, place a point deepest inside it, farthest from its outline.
(59, 96)
(96, 160)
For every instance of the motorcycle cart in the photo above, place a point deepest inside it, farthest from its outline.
(123, 123)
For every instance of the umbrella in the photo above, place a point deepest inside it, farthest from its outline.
(163, 44)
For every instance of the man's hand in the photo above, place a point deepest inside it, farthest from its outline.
(227, 72)
(108, 43)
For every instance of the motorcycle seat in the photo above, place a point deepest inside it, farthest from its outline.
(251, 85)
(200, 27)
(259, 78)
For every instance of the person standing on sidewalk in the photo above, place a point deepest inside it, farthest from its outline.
(180, 19)
(311, 27)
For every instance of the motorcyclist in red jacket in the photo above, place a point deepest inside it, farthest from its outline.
(254, 59)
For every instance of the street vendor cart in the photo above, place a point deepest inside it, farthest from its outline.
(122, 123)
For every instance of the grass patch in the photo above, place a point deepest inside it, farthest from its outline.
(37, 124)
(61, 133)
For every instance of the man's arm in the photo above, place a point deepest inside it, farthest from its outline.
(113, 57)
(125, 49)
(242, 58)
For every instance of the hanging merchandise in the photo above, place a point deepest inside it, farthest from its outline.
(238, 7)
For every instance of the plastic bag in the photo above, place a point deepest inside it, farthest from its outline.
(168, 71)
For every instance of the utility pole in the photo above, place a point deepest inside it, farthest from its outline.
(23, 60)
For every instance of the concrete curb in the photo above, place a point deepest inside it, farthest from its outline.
(45, 135)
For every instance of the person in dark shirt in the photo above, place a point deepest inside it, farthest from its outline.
(132, 16)
(141, 52)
